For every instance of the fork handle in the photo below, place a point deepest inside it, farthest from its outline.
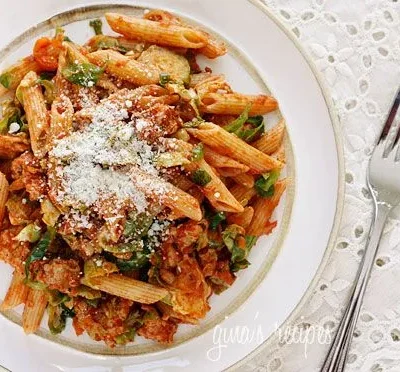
(337, 355)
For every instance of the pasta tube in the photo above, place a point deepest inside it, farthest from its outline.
(131, 289)
(3, 196)
(125, 68)
(17, 292)
(272, 139)
(12, 77)
(229, 145)
(154, 32)
(34, 309)
(263, 209)
(236, 103)
(36, 113)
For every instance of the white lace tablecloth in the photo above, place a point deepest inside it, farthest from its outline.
(355, 44)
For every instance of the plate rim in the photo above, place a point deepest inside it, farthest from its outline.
(338, 135)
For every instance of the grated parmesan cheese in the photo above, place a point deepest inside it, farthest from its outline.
(92, 164)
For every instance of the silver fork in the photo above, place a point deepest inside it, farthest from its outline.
(383, 179)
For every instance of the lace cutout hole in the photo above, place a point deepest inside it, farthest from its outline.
(358, 231)
(307, 16)
(366, 193)
(350, 104)
(367, 25)
(363, 85)
(351, 358)
(296, 31)
(330, 18)
(367, 61)
(388, 16)
(351, 29)
(342, 245)
(376, 368)
(329, 325)
(383, 52)
(349, 177)
(323, 287)
(275, 364)
(360, 252)
(395, 335)
(357, 333)
(331, 58)
(285, 14)
(366, 318)
(382, 261)
(378, 36)
(376, 337)
(371, 108)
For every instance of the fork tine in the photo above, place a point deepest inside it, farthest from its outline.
(390, 119)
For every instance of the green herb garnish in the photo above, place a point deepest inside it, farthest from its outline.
(265, 184)
(201, 177)
(245, 127)
(58, 317)
(198, 152)
(216, 220)
(46, 75)
(84, 74)
(239, 245)
(97, 26)
(39, 251)
(6, 79)
(164, 79)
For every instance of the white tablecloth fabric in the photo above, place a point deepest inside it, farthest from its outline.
(356, 46)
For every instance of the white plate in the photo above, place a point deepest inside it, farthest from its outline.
(307, 216)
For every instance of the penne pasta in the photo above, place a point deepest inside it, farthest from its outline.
(12, 77)
(36, 113)
(182, 182)
(243, 194)
(224, 163)
(280, 154)
(245, 179)
(236, 103)
(263, 209)
(125, 68)
(34, 309)
(229, 145)
(62, 113)
(272, 139)
(4, 189)
(242, 219)
(131, 289)
(17, 292)
(154, 32)
(213, 49)
(181, 203)
(216, 192)
(74, 53)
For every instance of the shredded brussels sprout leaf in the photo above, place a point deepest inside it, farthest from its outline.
(198, 152)
(97, 26)
(39, 251)
(6, 79)
(201, 177)
(245, 127)
(265, 184)
(216, 220)
(84, 74)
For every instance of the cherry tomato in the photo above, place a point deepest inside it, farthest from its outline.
(46, 52)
